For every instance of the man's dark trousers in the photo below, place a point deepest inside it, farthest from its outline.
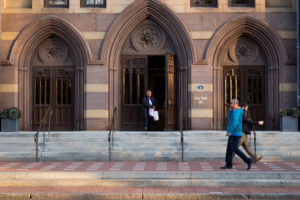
(149, 119)
(233, 147)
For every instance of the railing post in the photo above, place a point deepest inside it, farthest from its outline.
(36, 135)
(181, 122)
(110, 134)
(36, 138)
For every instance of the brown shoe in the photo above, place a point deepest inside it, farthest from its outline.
(258, 159)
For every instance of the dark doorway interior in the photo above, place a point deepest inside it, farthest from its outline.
(247, 84)
(140, 73)
(156, 70)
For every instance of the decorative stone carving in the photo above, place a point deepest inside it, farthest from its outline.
(53, 51)
(243, 50)
(148, 37)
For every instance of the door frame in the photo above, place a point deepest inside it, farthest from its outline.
(245, 85)
(120, 85)
(52, 78)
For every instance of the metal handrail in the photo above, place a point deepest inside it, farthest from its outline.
(181, 122)
(36, 135)
(111, 133)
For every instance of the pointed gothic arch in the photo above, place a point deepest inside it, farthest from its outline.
(123, 25)
(276, 56)
(23, 49)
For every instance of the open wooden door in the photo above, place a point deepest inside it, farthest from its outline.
(134, 84)
(171, 104)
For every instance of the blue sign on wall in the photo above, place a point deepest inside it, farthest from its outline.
(200, 87)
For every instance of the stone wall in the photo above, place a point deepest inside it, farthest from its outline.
(201, 23)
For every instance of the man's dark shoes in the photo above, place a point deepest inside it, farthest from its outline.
(226, 167)
(146, 128)
(249, 165)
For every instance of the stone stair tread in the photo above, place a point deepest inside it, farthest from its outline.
(141, 145)
(180, 193)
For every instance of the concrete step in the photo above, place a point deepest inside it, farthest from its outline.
(104, 134)
(150, 179)
(76, 144)
(259, 133)
(150, 183)
(18, 156)
(17, 149)
(196, 154)
(89, 145)
(72, 139)
(262, 139)
(138, 194)
(75, 155)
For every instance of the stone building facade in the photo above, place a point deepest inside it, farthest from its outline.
(88, 61)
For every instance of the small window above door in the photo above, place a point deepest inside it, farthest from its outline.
(204, 3)
(93, 3)
(57, 3)
(241, 3)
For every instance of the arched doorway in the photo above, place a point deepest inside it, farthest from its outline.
(124, 24)
(24, 53)
(275, 57)
(52, 85)
(244, 76)
(148, 62)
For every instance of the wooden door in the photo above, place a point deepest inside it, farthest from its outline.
(171, 106)
(247, 84)
(41, 83)
(53, 87)
(134, 85)
(64, 99)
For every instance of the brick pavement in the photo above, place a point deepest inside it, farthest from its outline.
(19, 189)
(132, 166)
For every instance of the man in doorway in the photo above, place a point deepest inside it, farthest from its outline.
(149, 105)
(247, 128)
(234, 133)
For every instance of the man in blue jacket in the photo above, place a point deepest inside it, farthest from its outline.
(234, 131)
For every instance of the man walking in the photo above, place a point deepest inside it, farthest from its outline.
(234, 131)
(247, 128)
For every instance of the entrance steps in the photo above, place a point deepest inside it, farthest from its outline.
(140, 146)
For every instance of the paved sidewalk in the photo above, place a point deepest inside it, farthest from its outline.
(148, 180)
(132, 166)
(154, 190)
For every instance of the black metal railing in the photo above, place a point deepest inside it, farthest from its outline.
(181, 123)
(48, 114)
(111, 133)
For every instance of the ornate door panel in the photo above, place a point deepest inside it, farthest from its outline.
(134, 85)
(63, 99)
(53, 88)
(255, 84)
(171, 107)
(41, 83)
(232, 86)
(247, 84)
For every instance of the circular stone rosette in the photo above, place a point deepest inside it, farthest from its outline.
(148, 37)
